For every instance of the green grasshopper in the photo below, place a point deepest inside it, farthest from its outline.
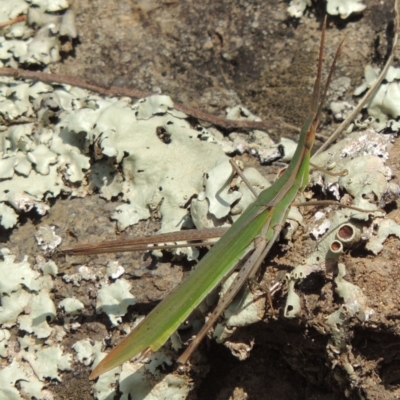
(250, 237)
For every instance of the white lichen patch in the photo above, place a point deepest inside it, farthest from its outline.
(115, 270)
(134, 136)
(47, 239)
(360, 158)
(50, 5)
(340, 109)
(114, 300)
(89, 274)
(15, 275)
(26, 302)
(71, 306)
(75, 279)
(46, 361)
(84, 351)
(36, 40)
(297, 7)
(104, 388)
(147, 382)
(323, 258)
(26, 165)
(9, 376)
(384, 105)
(362, 155)
(355, 303)
(256, 143)
(169, 184)
(84, 273)
(129, 140)
(8, 217)
(40, 311)
(217, 201)
(217, 190)
(47, 267)
(258, 184)
(344, 8)
(379, 232)
(12, 306)
(4, 338)
(10, 10)
(246, 309)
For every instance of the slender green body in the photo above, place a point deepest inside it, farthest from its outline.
(264, 218)
(270, 209)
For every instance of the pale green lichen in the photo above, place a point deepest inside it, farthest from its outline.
(293, 303)
(11, 9)
(103, 175)
(385, 102)
(256, 143)
(114, 300)
(247, 308)
(380, 231)
(22, 275)
(122, 133)
(44, 48)
(83, 273)
(136, 380)
(217, 189)
(35, 41)
(47, 239)
(50, 5)
(258, 184)
(148, 383)
(367, 180)
(46, 361)
(12, 306)
(293, 221)
(215, 203)
(170, 185)
(362, 155)
(71, 306)
(104, 388)
(4, 338)
(150, 106)
(47, 267)
(41, 157)
(40, 311)
(355, 303)
(26, 301)
(9, 376)
(26, 152)
(8, 217)
(115, 270)
(27, 148)
(84, 351)
(323, 258)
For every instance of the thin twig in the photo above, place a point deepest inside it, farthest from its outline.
(372, 90)
(20, 18)
(133, 93)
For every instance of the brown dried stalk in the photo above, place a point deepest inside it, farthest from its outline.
(134, 93)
